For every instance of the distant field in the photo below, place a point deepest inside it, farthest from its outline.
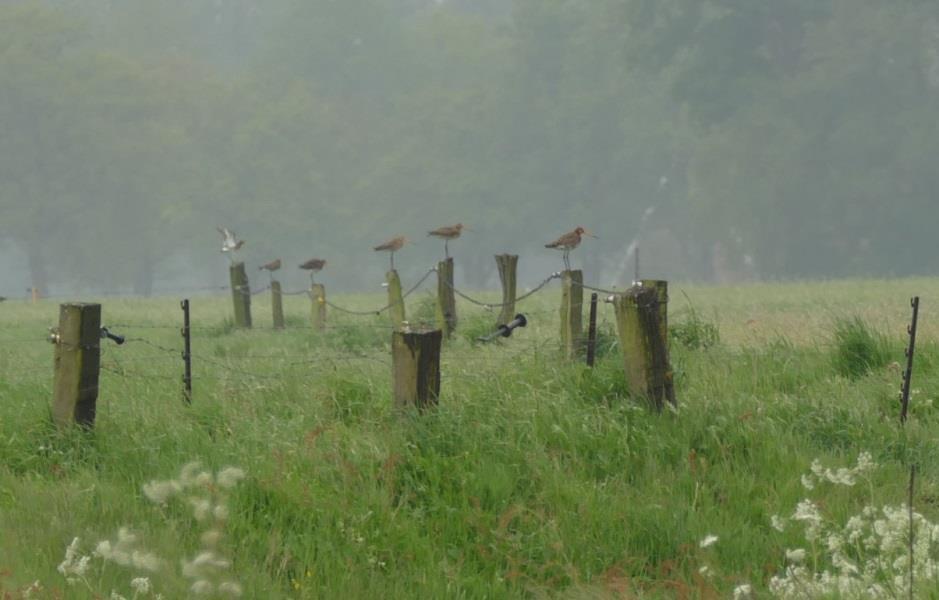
(533, 478)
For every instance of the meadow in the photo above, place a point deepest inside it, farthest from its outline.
(534, 477)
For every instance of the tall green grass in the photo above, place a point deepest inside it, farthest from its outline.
(533, 478)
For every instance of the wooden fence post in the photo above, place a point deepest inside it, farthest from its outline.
(572, 312)
(318, 296)
(395, 300)
(446, 298)
(77, 360)
(592, 331)
(241, 295)
(415, 364)
(643, 335)
(507, 263)
(277, 304)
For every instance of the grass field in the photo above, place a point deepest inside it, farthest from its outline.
(533, 478)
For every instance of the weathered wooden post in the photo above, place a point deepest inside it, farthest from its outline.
(446, 298)
(395, 300)
(77, 360)
(643, 333)
(241, 295)
(277, 304)
(508, 264)
(572, 312)
(415, 364)
(318, 297)
(187, 353)
(592, 331)
(34, 295)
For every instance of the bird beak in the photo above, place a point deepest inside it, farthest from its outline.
(591, 235)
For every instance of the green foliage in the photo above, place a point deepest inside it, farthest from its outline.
(694, 331)
(532, 475)
(858, 348)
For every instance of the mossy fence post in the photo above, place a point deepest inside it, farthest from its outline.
(77, 361)
(415, 360)
(446, 297)
(241, 295)
(318, 297)
(277, 304)
(642, 326)
(395, 300)
(508, 265)
(572, 312)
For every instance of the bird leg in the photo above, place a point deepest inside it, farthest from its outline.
(392, 260)
(446, 248)
(567, 260)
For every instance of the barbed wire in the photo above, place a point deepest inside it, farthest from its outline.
(387, 306)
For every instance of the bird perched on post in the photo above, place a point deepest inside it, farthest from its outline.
(270, 267)
(450, 232)
(568, 242)
(230, 245)
(392, 246)
(314, 265)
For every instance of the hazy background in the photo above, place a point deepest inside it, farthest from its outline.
(774, 138)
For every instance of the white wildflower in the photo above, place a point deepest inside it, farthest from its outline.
(795, 556)
(116, 596)
(807, 482)
(221, 512)
(229, 477)
(159, 492)
(141, 585)
(705, 570)
(201, 508)
(743, 591)
(708, 541)
(210, 538)
(202, 588)
(230, 588)
(778, 523)
(146, 561)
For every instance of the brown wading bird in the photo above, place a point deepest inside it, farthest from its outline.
(451, 232)
(270, 267)
(392, 246)
(568, 242)
(229, 244)
(314, 265)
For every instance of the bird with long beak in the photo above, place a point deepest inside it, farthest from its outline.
(568, 242)
(230, 245)
(392, 246)
(270, 267)
(450, 232)
(314, 266)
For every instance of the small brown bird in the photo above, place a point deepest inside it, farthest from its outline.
(568, 242)
(270, 267)
(314, 266)
(450, 232)
(392, 246)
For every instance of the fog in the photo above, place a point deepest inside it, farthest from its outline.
(729, 141)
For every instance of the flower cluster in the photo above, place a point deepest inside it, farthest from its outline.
(207, 495)
(865, 557)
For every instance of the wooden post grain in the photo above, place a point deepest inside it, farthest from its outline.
(277, 304)
(77, 360)
(508, 265)
(592, 331)
(416, 368)
(446, 298)
(318, 297)
(395, 300)
(241, 295)
(642, 330)
(572, 312)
